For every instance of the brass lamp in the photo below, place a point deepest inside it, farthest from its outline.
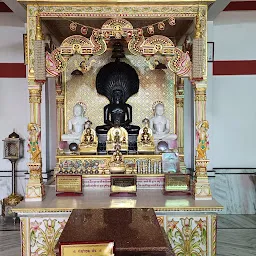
(13, 151)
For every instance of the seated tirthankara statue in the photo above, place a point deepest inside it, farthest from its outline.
(117, 81)
(89, 140)
(116, 164)
(160, 126)
(117, 136)
(145, 138)
(117, 111)
(76, 125)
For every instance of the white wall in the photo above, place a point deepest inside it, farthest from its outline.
(11, 39)
(231, 104)
(14, 113)
(14, 105)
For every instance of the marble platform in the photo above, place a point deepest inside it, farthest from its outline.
(193, 221)
(146, 198)
(235, 237)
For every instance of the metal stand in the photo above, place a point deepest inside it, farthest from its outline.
(14, 198)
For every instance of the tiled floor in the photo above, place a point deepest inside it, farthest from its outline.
(236, 236)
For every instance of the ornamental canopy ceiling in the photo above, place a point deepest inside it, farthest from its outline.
(75, 2)
(60, 28)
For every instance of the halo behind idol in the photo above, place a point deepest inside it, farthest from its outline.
(155, 104)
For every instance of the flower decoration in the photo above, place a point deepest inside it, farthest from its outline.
(84, 30)
(161, 26)
(150, 29)
(172, 21)
(73, 26)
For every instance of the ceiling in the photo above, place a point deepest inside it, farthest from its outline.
(60, 28)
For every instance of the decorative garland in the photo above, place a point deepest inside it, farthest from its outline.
(150, 28)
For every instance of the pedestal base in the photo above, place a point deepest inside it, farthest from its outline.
(202, 189)
(35, 192)
(201, 185)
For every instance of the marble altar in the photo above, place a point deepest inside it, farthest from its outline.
(134, 232)
(193, 222)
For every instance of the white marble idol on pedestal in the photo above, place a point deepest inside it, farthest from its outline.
(76, 125)
(160, 126)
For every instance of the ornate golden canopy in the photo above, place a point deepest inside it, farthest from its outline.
(116, 2)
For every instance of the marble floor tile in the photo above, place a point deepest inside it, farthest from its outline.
(228, 221)
(7, 224)
(10, 243)
(236, 192)
(236, 242)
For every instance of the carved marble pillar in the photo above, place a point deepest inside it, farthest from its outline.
(36, 77)
(60, 108)
(201, 186)
(180, 120)
(60, 117)
(35, 187)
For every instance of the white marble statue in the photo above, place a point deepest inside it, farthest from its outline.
(76, 125)
(160, 126)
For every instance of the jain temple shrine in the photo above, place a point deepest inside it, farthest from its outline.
(127, 128)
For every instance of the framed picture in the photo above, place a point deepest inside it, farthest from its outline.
(210, 51)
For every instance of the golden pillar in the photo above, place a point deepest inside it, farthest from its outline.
(201, 186)
(60, 117)
(35, 187)
(180, 120)
(60, 108)
(36, 77)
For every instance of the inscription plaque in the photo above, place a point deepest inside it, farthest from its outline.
(69, 184)
(121, 184)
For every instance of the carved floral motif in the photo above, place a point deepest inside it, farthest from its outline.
(188, 236)
(44, 233)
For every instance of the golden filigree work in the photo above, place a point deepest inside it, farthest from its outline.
(200, 94)
(139, 11)
(24, 236)
(39, 33)
(35, 96)
(60, 102)
(198, 33)
(214, 234)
